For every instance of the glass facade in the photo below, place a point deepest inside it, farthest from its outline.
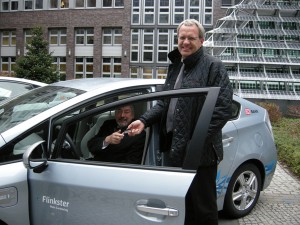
(259, 42)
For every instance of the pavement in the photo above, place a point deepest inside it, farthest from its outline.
(279, 204)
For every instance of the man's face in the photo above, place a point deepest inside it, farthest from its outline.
(124, 115)
(188, 40)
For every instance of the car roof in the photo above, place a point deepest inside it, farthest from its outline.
(90, 84)
(23, 80)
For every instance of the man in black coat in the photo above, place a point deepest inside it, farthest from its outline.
(112, 144)
(192, 67)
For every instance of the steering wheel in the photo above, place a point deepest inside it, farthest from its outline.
(68, 149)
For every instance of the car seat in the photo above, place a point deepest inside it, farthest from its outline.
(93, 131)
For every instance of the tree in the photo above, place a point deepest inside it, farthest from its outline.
(36, 64)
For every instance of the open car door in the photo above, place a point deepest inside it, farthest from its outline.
(84, 191)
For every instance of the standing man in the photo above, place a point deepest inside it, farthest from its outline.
(191, 67)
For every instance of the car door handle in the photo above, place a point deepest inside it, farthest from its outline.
(227, 141)
(159, 211)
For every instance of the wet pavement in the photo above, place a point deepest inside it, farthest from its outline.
(279, 204)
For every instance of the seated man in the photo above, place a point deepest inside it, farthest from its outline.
(112, 144)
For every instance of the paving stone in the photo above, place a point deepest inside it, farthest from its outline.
(279, 204)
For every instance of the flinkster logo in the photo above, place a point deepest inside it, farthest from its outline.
(57, 204)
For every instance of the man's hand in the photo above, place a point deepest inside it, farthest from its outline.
(115, 138)
(136, 127)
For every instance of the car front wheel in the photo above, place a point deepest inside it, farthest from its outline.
(243, 191)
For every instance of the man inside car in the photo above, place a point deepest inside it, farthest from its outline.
(112, 143)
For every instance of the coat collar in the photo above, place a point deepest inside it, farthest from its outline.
(175, 57)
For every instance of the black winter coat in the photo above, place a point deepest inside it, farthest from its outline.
(130, 149)
(201, 70)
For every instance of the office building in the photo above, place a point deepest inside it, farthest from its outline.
(257, 40)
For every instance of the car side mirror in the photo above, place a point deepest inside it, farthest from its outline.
(39, 165)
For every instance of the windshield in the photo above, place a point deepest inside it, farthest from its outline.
(32, 103)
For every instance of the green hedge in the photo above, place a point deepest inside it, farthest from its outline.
(287, 139)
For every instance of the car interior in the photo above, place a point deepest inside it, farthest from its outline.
(80, 132)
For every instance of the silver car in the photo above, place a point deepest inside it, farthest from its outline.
(48, 176)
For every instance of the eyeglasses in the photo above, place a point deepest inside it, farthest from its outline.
(190, 39)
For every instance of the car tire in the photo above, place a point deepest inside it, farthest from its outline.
(243, 191)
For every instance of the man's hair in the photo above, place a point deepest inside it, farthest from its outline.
(191, 22)
(130, 105)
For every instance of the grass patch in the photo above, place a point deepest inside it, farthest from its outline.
(287, 138)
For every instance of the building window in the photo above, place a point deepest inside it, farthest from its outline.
(58, 37)
(38, 4)
(112, 3)
(83, 67)
(111, 67)
(194, 10)
(85, 4)
(147, 72)
(252, 85)
(33, 4)
(175, 39)
(148, 44)
(208, 13)
(10, 5)
(112, 36)
(8, 38)
(289, 25)
(135, 12)
(8, 64)
(28, 37)
(161, 72)
(59, 64)
(266, 24)
(178, 15)
(135, 37)
(59, 4)
(84, 36)
(28, 4)
(134, 72)
(164, 12)
(228, 3)
(149, 6)
(201, 11)
(163, 45)
(141, 72)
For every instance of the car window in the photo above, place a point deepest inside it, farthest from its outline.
(73, 140)
(11, 89)
(28, 105)
(235, 110)
(14, 149)
(81, 131)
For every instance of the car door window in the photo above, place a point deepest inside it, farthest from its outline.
(80, 129)
(235, 110)
(80, 132)
(14, 149)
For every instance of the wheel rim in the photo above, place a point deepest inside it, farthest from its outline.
(245, 190)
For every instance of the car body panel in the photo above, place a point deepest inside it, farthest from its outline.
(104, 195)
(230, 144)
(131, 192)
(14, 194)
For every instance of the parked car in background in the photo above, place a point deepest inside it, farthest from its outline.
(48, 176)
(12, 86)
